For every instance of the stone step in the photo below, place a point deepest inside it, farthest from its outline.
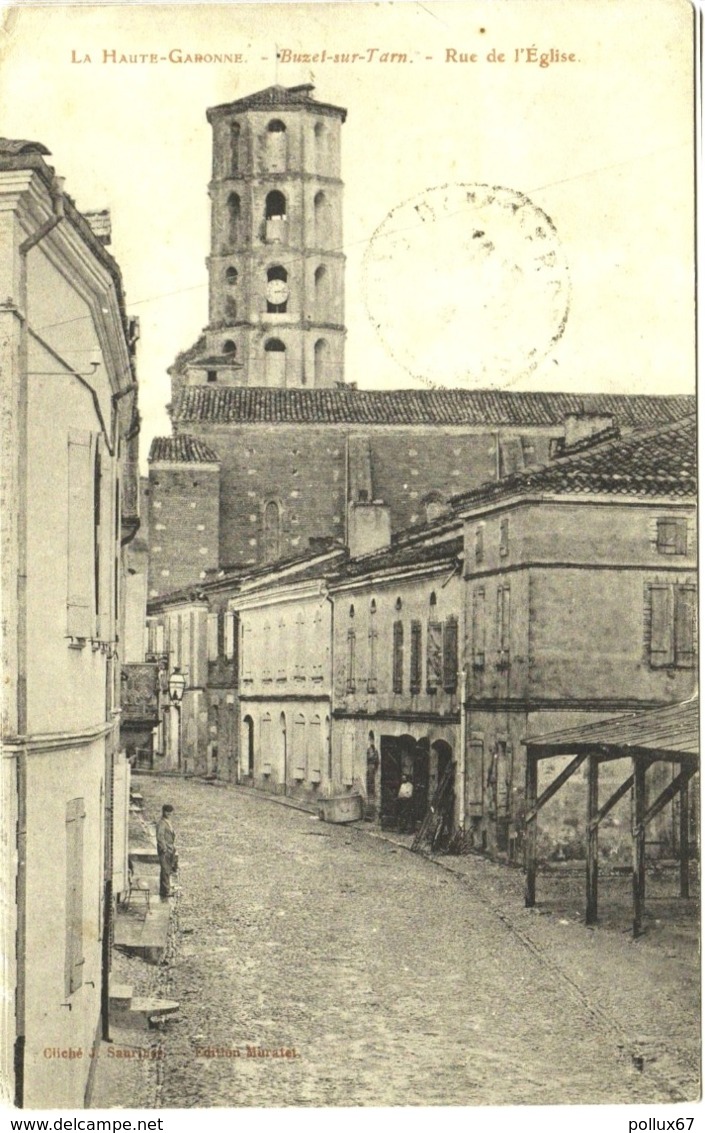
(154, 1008)
(145, 937)
(120, 994)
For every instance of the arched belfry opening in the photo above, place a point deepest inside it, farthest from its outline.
(275, 146)
(275, 217)
(275, 362)
(321, 362)
(322, 220)
(234, 219)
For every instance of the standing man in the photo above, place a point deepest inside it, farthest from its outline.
(405, 802)
(166, 842)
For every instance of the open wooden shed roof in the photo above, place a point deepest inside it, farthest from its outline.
(670, 733)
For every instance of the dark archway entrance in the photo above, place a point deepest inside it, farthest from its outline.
(403, 755)
(248, 746)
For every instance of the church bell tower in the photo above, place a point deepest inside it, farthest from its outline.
(276, 266)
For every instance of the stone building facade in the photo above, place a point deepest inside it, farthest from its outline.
(580, 604)
(397, 681)
(62, 591)
(285, 619)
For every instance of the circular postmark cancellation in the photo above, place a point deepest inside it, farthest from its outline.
(467, 284)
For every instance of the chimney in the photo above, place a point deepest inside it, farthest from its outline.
(580, 426)
(369, 527)
(99, 221)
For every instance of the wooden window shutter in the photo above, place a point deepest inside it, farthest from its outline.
(120, 819)
(415, 672)
(478, 627)
(73, 967)
(81, 544)
(267, 653)
(282, 664)
(246, 651)
(372, 671)
(314, 753)
(229, 635)
(298, 744)
(434, 655)
(660, 625)
(348, 759)
(212, 637)
(503, 613)
(222, 619)
(685, 626)
(398, 657)
(450, 655)
(475, 776)
(351, 661)
(265, 738)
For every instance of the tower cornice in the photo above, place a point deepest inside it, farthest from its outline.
(297, 98)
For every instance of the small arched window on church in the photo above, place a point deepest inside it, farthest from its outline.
(274, 362)
(234, 147)
(271, 530)
(275, 147)
(321, 220)
(233, 219)
(275, 217)
(321, 363)
(320, 292)
(229, 348)
(320, 147)
(277, 289)
(231, 276)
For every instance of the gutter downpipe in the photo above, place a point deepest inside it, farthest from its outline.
(57, 202)
(463, 743)
(327, 596)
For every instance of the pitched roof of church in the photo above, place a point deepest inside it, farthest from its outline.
(235, 405)
(182, 448)
(652, 462)
(289, 98)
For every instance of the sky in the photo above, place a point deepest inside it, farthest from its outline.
(601, 144)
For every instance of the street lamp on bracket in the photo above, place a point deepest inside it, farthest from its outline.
(177, 686)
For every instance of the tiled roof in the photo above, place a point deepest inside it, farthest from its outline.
(232, 405)
(289, 97)
(312, 564)
(14, 146)
(391, 558)
(184, 448)
(652, 462)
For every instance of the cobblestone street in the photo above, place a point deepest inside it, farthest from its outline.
(394, 980)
